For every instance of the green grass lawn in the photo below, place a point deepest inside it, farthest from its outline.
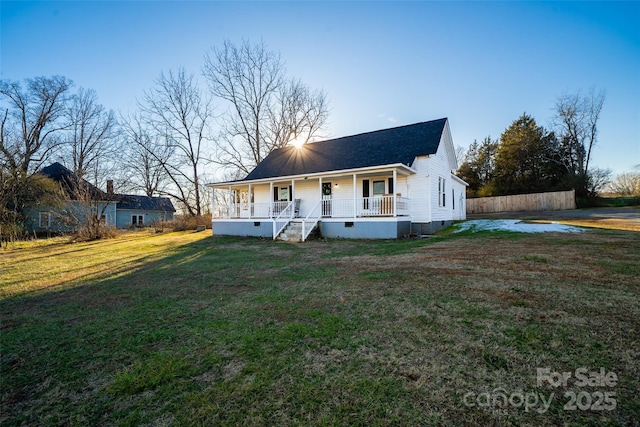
(187, 329)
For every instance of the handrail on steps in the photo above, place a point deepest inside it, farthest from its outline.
(284, 213)
(313, 221)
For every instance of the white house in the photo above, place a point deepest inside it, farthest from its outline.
(383, 184)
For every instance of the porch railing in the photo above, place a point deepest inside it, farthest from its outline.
(331, 208)
(249, 210)
(312, 219)
(283, 219)
(365, 207)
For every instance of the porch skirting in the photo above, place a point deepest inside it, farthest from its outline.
(343, 228)
(254, 228)
(370, 229)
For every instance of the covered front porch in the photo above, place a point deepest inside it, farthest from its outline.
(355, 196)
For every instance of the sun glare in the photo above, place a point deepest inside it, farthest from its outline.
(298, 142)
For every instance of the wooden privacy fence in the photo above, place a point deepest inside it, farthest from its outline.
(555, 201)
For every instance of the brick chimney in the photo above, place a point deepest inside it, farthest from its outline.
(110, 187)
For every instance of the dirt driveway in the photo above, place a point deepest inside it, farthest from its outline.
(627, 218)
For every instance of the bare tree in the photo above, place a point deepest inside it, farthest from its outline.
(298, 114)
(144, 157)
(267, 111)
(626, 184)
(91, 144)
(577, 127)
(181, 116)
(31, 120)
(30, 123)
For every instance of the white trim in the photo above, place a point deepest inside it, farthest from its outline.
(328, 174)
(460, 180)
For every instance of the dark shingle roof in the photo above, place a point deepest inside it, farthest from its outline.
(383, 147)
(68, 180)
(145, 203)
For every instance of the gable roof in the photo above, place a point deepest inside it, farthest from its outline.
(145, 203)
(69, 181)
(383, 147)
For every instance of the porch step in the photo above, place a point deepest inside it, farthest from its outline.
(292, 232)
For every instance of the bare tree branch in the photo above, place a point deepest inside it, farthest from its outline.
(267, 111)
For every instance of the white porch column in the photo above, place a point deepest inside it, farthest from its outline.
(320, 197)
(293, 198)
(249, 201)
(213, 202)
(271, 199)
(395, 198)
(230, 202)
(355, 203)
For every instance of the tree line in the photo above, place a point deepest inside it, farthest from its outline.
(527, 158)
(249, 108)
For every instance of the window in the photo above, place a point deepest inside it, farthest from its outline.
(44, 219)
(378, 188)
(282, 194)
(442, 195)
(137, 220)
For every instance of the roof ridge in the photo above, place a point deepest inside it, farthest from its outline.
(381, 130)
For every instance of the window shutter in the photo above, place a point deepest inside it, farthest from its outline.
(275, 194)
(365, 188)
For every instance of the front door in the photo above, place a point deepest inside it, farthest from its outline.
(378, 201)
(326, 199)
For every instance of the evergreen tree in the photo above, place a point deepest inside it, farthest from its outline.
(525, 159)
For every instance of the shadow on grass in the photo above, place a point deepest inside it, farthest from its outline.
(228, 331)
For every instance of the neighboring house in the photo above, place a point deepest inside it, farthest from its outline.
(383, 184)
(119, 210)
(138, 211)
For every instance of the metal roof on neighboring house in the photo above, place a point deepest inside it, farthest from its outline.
(383, 147)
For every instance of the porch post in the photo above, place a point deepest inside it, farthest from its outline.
(293, 198)
(320, 198)
(395, 198)
(213, 202)
(355, 203)
(230, 202)
(249, 201)
(271, 199)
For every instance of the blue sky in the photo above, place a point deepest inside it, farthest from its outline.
(382, 64)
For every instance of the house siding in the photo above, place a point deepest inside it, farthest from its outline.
(419, 190)
(440, 169)
(68, 218)
(123, 217)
